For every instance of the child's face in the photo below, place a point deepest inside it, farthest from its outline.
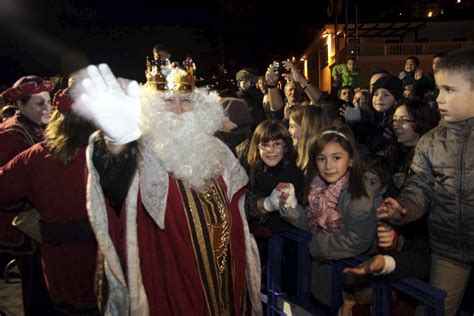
(244, 84)
(272, 152)
(382, 100)
(350, 64)
(333, 162)
(455, 99)
(373, 184)
(410, 65)
(295, 131)
(346, 95)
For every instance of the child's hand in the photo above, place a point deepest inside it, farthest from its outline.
(374, 264)
(272, 202)
(390, 209)
(386, 236)
(288, 195)
(418, 73)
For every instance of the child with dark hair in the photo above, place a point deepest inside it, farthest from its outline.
(335, 207)
(441, 181)
(378, 174)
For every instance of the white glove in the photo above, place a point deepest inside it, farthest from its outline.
(291, 200)
(272, 202)
(99, 98)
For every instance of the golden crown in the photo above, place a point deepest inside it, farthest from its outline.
(169, 78)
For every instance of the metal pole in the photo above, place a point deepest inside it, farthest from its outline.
(346, 37)
(336, 44)
(357, 33)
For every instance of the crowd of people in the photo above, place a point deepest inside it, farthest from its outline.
(119, 198)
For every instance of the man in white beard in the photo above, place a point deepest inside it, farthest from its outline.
(165, 200)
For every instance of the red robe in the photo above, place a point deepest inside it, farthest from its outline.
(174, 251)
(12, 143)
(58, 192)
(171, 275)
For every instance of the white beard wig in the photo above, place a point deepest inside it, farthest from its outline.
(183, 144)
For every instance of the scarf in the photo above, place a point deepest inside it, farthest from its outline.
(323, 199)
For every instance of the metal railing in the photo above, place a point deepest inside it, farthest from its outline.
(400, 49)
(429, 296)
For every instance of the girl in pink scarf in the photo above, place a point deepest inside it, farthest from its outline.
(332, 169)
(335, 206)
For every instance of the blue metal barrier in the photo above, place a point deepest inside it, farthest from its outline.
(431, 297)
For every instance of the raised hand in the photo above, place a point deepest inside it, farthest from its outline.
(271, 76)
(418, 74)
(100, 98)
(295, 75)
(350, 114)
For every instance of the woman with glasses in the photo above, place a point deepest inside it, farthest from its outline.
(410, 120)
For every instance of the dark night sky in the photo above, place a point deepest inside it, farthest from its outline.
(47, 37)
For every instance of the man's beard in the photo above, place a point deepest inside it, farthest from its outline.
(184, 143)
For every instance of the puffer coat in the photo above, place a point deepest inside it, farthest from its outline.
(442, 184)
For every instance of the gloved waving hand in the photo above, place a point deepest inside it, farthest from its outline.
(99, 97)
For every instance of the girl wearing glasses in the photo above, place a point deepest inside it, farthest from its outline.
(271, 160)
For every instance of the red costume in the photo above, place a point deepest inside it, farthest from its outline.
(58, 193)
(16, 134)
(186, 253)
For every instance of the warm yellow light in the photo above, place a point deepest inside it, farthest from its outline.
(430, 14)
(305, 68)
(328, 43)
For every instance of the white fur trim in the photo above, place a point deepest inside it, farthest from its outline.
(121, 300)
(252, 270)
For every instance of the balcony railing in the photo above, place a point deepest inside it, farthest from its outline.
(397, 49)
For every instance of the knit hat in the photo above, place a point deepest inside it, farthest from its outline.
(237, 111)
(246, 74)
(390, 83)
(62, 101)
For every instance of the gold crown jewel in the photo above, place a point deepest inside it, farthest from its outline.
(169, 78)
